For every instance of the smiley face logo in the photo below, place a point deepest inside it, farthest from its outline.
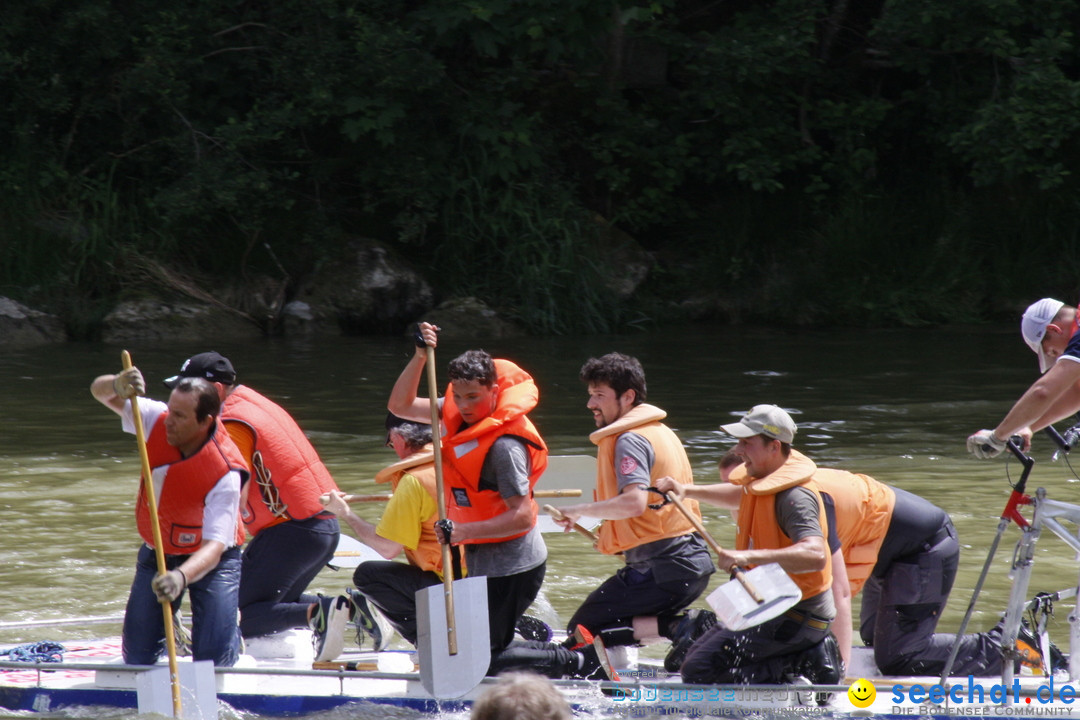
(862, 693)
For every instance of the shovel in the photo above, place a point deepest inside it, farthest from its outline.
(453, 641)
(753, 596)
(562, 481)
(556, 514)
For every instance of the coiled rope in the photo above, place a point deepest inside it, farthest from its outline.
(44, 651)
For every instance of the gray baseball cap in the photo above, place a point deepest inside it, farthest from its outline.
(768, 420)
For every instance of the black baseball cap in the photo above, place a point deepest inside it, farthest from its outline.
(213, 366)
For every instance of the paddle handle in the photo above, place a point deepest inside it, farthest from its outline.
(557, 493)
(440, 497)
(557, 514)
(159, 552)
(325, 498)
(736, 571)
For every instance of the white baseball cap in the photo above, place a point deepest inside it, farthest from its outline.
(768, 420)
(1033, 327)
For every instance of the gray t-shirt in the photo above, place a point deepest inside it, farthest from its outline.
(506, 469)
(798, 517)
(670, 559)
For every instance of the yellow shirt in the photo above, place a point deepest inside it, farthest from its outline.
(409, 506)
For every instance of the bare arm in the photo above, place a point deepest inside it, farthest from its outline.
(364, 531)
(629, 503)
(1047, 400)
(723, 495)
(517, 518)
(103, 391)
(202, 561)
(841, 589)
(807, 555)
(403, 400)
(1063, 407)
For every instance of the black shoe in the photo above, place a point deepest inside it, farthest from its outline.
(1029, 650)
(530, 628)
(693, 625)
(821, 664)
(595, 664)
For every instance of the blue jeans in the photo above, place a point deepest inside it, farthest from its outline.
(278, 565)
(215, 634)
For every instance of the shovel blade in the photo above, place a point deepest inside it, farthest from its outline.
(443, 675)
(198, 691)
(567, 472)
(351, 552)
(737, 610)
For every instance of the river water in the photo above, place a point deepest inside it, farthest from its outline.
(894, 404)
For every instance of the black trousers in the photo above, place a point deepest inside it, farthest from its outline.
(610, 609)
(391, 587)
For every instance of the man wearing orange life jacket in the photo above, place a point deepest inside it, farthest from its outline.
(492, 456)
(781, 519)
(1052, 330)
(896, 547)
(407, 525)
(667, 563)
(292, 535)
(197, 472)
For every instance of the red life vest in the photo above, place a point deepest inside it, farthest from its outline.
(618, 536)
(184, 490)
(465, 448)
(289, 476)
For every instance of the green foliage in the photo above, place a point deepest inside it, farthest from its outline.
(489, 134)
(531, 248)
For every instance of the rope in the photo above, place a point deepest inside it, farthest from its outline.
(39, 652)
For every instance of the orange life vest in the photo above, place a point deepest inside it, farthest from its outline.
(186, 485)
(864, 508)
(618, 536)
(289, 476)
(421, 465)
(464, 448)
(757, 526)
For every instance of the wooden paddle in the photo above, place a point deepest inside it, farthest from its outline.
(451, 664)
(557, 514)
(148, 488)
(351, 499)
(736, 571)
(739, 604)
(440, 498)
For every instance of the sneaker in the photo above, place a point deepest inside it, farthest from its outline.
(595, 664)
(694, 624)
(369, 622)
(1028, 649)
(328, 627)
(530, 628)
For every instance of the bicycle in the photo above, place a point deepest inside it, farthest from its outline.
(1045, 513)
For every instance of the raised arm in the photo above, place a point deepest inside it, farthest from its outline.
(112, 391)
(403, 400)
